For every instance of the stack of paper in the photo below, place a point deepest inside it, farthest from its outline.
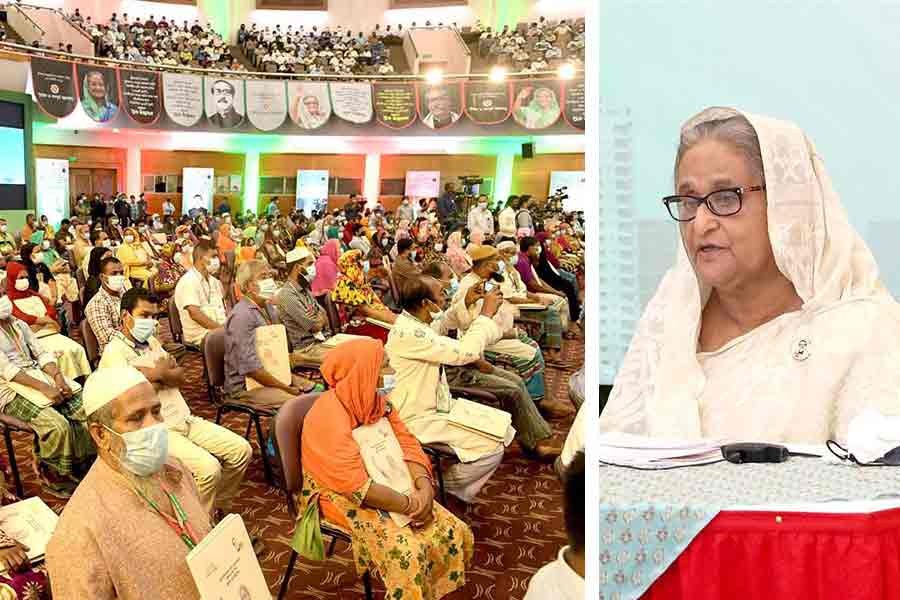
(629, 450)
(224, 564)
(531, 306)
(479, 418)
(29, 522)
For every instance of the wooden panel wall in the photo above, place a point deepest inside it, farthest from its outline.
(164, 162)
(88, 157)
(532, 175)
(395, 166)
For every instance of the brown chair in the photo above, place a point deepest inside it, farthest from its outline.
(287, 428)
(213, 350)
(334, 317)
(10, 425)
(175, 328)
(91, 345)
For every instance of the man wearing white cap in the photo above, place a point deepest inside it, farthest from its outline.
(303, 317)
(129, 526)
(216, 456)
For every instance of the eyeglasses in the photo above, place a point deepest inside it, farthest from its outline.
(722, 203)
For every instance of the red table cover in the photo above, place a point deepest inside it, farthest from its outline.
(788, 556)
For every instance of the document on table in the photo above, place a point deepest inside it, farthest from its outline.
(29, 522)
(628, 450)
(224, 564)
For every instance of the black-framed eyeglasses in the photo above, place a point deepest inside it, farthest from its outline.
(722, 203)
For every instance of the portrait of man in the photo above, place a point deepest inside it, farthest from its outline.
(226, 115)
(440, 104)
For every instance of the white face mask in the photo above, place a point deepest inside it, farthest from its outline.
(115, 282)
(129, 239)
(37, 258)
(22, 284)
(146, 450)
(105, 243)
(266, 287)
(482, 205)
(439, 247)
(3, 228)
(45, 244)
(5, 305)
(213, 265)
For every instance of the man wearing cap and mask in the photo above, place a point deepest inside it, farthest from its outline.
(481, 218)
(303, 317)
(254, 280)
(126, 532)
(217, 457)
(516, 351)
(199, 296)
(102, 311)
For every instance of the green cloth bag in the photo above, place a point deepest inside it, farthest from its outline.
(307, 540)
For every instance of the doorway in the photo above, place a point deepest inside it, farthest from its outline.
(92, 181)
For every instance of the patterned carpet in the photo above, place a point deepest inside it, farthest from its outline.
(517, 519)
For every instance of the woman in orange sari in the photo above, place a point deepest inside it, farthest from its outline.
(424, 560)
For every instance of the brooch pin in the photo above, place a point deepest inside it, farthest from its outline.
(800, 350)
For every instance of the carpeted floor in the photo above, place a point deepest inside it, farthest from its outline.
(517, 519)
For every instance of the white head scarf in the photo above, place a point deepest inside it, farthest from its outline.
(658, 387)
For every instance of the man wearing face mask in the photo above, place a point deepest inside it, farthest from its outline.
(516, 351)
(136, 515)
(507, 219)
(404, 268)
(103, 310)
(303, 317)
(83, 243)
(254, 280)
(480, 217)
(406, 210)
(199, 296)
(216, 457)
(418, 348)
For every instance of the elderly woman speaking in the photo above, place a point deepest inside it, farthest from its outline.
(772, 325)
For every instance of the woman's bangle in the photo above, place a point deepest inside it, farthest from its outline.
(430, 482)
(408, 504)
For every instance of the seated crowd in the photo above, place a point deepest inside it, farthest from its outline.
(542, 45)
(438, 303)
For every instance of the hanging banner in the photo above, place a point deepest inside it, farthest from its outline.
(142, 98)
(183, 98)
(395, 104)
(487, 103)
(536, 104)
(309, 102)
(352, 101)
(224, 102)
(573, 100)
(141, 95)
(54, 86)
(99, 91)
(440, 106)
(266, 103)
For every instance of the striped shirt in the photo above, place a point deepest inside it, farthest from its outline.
(103, 315)
(300, 313)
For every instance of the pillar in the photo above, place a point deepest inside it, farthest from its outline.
(251, 181)
(503, 178)
(372, 179)
(133, 180)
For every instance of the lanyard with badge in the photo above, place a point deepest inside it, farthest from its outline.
(179, 523)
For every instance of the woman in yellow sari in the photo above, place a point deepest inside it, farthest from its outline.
(358, 301)
(135, 259)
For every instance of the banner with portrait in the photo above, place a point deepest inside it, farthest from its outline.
(536, 103)
(395, 104)
(352, 101)
(487, 103)
(141, 98)
(98, 89)
(440, 105)
(224, 102)
(309, 103)
(573, 103)
(141, 94)
(183, 98)
(266, 103)
(53, 82)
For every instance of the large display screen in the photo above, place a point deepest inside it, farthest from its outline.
(12, 167)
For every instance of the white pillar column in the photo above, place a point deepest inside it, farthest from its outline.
(372, 179)
(503, 178)
(133, 180)
(251, 181)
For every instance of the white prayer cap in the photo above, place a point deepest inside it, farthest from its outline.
(104, 385)
(506, 245)
(297, 254)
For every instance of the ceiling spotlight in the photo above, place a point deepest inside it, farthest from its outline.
(567, 71)
(434, 76)
(497, 74)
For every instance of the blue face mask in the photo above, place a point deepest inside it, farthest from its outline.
(143, 329)
(310, 272)
(146, 450)
(501, 268)
(454, 286)
(365, 266)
